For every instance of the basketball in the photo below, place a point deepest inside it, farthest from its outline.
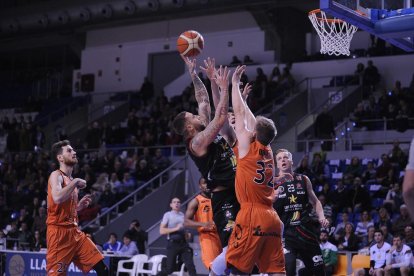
(190, 43)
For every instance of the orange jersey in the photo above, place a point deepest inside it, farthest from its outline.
(254, 175)
(63, 214)
(204, 212)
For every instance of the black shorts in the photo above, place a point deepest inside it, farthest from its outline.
(225, 208)
(303, 243)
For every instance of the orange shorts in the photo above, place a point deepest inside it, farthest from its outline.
(66, 245)
(210, 247)
(256, 239)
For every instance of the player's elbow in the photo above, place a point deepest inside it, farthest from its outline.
(57, 199)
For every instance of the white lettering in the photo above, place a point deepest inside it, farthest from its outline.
(38, 264)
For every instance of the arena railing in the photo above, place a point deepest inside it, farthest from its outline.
(134, 196)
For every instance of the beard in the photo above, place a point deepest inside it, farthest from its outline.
(71, 162)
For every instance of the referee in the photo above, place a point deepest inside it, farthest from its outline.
(172, 225)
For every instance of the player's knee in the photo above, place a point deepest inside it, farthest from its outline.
(101, 269)
(404, 270)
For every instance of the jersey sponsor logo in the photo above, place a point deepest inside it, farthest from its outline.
(257, 231)
(281, 195)
(206, 209)
(238, 234)
(229, 226)
(295, 220)
(317, 260)
(300, 192)
(292, 199)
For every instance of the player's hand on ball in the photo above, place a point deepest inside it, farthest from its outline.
(80, 183)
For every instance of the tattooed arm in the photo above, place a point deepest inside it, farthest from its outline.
(201, 95)
(227, 131)
(202, 140)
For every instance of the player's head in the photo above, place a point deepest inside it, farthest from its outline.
(202, 183)
(284, 160)
(265, 130)
(187, 124)
(64, 153)
(324, 236)
(397, 241)
(175, 204)
(378, 236)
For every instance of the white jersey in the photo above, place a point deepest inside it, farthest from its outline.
(400, 258)
(379, 255)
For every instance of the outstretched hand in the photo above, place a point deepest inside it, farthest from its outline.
(246, 91)
(222, 78)
(237, 74)
(210, 67)
(191, 64)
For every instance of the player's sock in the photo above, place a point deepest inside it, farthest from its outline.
(101, 269)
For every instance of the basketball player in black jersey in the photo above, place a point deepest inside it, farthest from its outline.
(294, 201)
(210, 145)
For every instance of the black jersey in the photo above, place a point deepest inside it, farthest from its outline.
(218, 165)
(292, 202)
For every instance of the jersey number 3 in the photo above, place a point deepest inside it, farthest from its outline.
(261, 174)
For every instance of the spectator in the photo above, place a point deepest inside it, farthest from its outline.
(339, 198)
(368, 240)
(39, 223)
(348, 241)
(128, 248)
(327, 208)
(147, 90)
(394, 198)
(359, 198)
(369, 174)
(385, 171)
(112, 245)
(139, 236)
(329, 253)
(38, 242)
(387, 235)
(371, 76)
(398, 258)
(340, 227)
(362, 226)
(304, 168)
(402, 220)
(325, 129)
(25, 237)
(159, 161)
(107, 198)
(319, 169)
(354, 169)
(397, 156)
(409, 236)
(247, 60)
(143, 172)
(235, 61)
(383, 219)
(128, 182)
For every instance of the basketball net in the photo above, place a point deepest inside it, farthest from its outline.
(335, 34)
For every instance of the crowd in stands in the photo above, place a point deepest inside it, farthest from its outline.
(361, 195)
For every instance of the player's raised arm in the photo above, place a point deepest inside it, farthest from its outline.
(250, 119)
(61, 194)
(314, 201)
(243, 135)
(226, 131)
(204, 138)
(201, 94)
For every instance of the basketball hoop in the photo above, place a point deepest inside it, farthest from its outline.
(335, 34)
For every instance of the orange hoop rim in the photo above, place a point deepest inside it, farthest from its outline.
(330, 20)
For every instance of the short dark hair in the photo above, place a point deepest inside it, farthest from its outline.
(57, 148)
(265, 130)
(178, 123)
(377, 230)
(136, 222)
(114, 234)
(127, 235)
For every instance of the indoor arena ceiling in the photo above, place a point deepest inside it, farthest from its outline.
(25, 17)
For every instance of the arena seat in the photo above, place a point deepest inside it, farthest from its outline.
(360, 261)
(342, 266)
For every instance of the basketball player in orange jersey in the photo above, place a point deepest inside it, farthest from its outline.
(199, 215)
(256, 237)
(65, 242)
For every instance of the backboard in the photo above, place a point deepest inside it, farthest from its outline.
(391, 20)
